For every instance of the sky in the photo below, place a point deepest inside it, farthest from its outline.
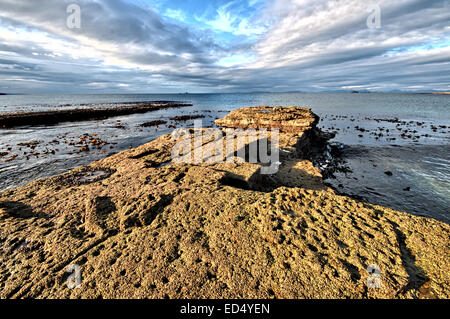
(177, 46)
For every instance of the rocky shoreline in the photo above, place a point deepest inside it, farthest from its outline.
(12, 120)
(141, 226)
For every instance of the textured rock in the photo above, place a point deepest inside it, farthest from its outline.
(153, 229)
(292, 119)
(298, 135)
(11, 120)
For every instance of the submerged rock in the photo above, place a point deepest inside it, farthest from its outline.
(150, 228)
(153, 123)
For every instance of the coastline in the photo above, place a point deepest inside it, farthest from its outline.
(144, 227)
(419, 143)
(11, 120)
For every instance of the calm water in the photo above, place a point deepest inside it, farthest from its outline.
(419, 160)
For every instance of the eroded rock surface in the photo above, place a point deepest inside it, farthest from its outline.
(292, 119)
(149, 228)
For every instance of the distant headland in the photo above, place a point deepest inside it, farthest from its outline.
(436, 93)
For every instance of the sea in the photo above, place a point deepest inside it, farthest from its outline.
(396, 145)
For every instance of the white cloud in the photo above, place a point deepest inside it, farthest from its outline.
(231, 21)
(224, 20)
(175, 14)
(236, 60)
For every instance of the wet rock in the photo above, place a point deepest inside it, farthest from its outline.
(153, 123)
(186, 118)
(72, 115)
(11, 158)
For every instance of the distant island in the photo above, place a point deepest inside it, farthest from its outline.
(358, 92)
(3, 94)
(436, 93)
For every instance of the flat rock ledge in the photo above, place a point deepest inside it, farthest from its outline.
(11, 120)
(141, 226)
(292, 119)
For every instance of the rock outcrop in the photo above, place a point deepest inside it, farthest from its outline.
(288, 120)
(140, 226)
(297, 126)
(11, 120)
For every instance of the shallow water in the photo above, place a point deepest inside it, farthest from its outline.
(419, 183)
(419, 159)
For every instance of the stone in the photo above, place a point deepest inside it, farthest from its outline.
(212, 230)
(288, 120)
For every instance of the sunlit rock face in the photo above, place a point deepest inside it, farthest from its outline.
(288, 120)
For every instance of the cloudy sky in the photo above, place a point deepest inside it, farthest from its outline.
(156, 46)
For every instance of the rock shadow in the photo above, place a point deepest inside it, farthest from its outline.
(19, 210)
(417, 276)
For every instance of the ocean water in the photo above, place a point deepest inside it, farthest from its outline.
(405, 134)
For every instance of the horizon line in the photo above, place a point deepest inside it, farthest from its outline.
(250, 92)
